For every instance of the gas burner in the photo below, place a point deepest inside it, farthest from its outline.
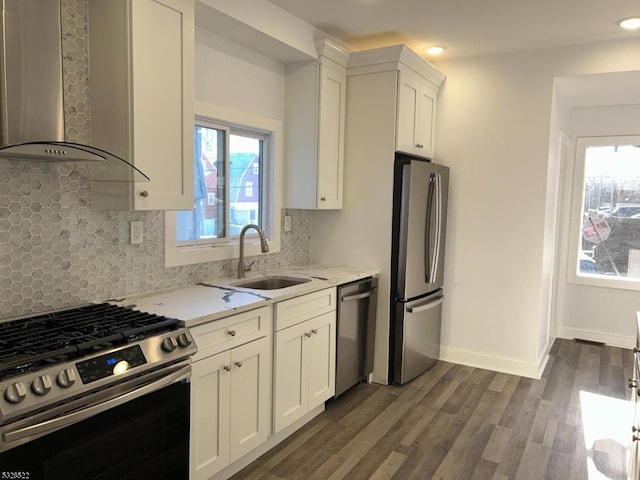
(28, 344)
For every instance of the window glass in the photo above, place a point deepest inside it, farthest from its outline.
(228, 172)
(245, 157)
(610, 233)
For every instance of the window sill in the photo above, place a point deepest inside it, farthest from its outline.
(620, 283)
(188, 255)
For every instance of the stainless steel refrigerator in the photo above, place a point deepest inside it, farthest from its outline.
(419, 226)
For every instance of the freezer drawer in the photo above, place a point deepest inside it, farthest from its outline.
(355, 332)
(417, 336)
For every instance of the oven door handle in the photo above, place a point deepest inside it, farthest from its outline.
(40, 429)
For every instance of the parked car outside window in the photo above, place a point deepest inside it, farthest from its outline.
(625, 210)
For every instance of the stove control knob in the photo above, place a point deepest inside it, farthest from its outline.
(41, 385)
(169, 344)
(184, 340)
(15, 393)
(66, 378)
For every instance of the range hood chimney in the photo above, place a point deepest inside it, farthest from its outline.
(32, 116)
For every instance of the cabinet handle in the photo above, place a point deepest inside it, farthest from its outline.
(144, 194)
(323, 199)
(314, 331)
(634, 429)
(239, 364)
(227, 368)
(419, 145)
(232, 333)
(632, 382)
(635, 438)
(635, 350)
(308, 334)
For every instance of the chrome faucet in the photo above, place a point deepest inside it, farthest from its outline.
(264, 248)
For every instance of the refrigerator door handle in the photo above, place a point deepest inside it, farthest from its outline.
(358, 296)
(436, 250)
(426, 306)
(427, 230)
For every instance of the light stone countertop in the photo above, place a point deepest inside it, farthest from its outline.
(212, 300)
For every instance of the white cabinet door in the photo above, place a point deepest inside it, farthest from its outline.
(162, 97)
(142, 89)
(315, 100)
(415, 114)
(425, 119)
(331, 138)
(291, 382)
(230, 406)
(407, 114)
(305, 362)
(320, 349)
(209, 441)
(250, 397)
(633, 458)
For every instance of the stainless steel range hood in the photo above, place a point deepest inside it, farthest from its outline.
(32, 121)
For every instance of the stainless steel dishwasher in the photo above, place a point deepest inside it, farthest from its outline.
(355, 331)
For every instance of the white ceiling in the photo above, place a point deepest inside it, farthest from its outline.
(467, 27)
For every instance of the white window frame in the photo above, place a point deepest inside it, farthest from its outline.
(581, 145)
(176, 254)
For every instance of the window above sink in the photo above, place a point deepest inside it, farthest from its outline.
(210, 231)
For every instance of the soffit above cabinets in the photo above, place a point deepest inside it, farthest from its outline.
(259, 26)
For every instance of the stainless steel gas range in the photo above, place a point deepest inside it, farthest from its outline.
(98, 391)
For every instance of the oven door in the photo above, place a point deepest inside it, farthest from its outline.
(138, 429)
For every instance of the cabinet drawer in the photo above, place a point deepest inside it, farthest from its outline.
(220, 335)
(296, 310)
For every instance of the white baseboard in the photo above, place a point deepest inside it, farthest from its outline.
(497, 363)
(611, 339)
(544, 357)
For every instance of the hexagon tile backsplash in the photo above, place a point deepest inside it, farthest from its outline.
(56, 252)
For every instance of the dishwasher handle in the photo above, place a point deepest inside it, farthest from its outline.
(358, 296)
(426, 306)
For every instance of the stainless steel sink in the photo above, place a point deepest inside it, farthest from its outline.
(273, 282)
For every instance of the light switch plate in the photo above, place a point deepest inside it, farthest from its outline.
(287, 223)
(136, 232)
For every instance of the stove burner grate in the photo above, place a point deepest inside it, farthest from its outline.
(28, 344)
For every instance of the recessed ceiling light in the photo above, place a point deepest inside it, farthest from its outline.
(435, 49)
(632, 23)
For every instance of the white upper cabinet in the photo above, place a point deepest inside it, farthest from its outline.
(417, 83)
(141, 60)
(314, 126)
(416, 111)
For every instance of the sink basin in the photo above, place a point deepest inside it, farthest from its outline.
(271, 283)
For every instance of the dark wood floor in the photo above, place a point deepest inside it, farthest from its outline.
(457, 422)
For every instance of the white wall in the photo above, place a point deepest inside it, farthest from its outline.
(233, 76)
(584, 311)
(493, 130)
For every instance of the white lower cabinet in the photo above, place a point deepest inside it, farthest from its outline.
(210, 400)
(245, 379)
(230, 403)
(304, 367)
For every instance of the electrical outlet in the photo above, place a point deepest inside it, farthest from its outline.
(287, 223)
(136, 233)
